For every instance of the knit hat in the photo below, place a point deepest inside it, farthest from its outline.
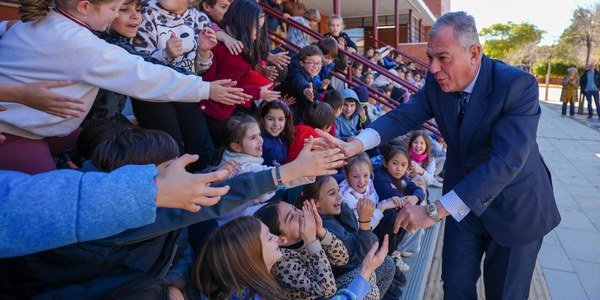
(362, 93)
(349, 94)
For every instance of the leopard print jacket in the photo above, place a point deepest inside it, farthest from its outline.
(305, 273)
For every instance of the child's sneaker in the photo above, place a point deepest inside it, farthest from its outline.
(406, 254)
(400, 264)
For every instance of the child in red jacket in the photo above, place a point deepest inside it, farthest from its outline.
(317, 115)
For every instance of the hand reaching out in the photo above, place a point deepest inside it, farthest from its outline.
(289, 100)
(179, 189)
(38, 95)
(267, 94)
(372, 261)
(325, 84)
(207, 39)
(222, 91)
(280, 60)
(309, 92)
(174, 47)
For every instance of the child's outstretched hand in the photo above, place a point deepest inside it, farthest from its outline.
(280, 60)
(207, 39)
(325, 84)
(269, 95)
(269, 72)
(289, 100)
(372, 261)
(309, 93)
(389, 203)
(313, 163)
(313, 208)
(308, 226)
(234, 46)
(174, 47)
(365, 209)
(230, 166)
(222, 91)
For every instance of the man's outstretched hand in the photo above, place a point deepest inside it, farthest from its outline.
(327, 141)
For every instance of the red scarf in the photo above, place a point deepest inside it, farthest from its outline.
(419, 158)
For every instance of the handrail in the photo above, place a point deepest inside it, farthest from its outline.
(354, 56)
(379, 97)
(387, 101)
(404, 54)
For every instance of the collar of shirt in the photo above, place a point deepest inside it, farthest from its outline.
(471, 86)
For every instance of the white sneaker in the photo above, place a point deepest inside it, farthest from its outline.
(437, 184)
(439, 178)
(406, 254)
(400, 264)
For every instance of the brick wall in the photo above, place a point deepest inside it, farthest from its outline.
(417, 50)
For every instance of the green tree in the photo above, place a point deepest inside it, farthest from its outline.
(511, 42)
(580, 38)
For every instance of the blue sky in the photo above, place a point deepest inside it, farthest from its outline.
(553, 16)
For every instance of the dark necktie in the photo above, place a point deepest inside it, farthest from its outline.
(462, 102)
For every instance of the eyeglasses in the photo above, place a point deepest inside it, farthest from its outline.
(313, 64)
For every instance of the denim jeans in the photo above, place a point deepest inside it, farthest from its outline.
(588, 96)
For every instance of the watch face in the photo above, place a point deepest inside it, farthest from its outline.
(431, 208)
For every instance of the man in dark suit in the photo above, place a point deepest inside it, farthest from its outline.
(497, 189)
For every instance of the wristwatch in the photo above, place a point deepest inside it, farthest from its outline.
(432, 211)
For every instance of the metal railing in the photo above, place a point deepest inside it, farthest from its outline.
(346, 78)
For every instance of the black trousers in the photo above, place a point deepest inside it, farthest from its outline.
(182, 121)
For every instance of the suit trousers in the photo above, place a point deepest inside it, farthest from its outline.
(507, 271)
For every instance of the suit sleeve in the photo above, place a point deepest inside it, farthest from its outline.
(404, 118)
(512, 138)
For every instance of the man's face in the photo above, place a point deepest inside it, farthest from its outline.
(452, 67)
(591, 67)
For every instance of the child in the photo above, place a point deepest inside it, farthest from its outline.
(347, 123)
(300, 80)
(243, 148)
(277, 126)
(335, 99)
(419, 81)
(339, 219)
(215, 9)
(358, 185)
(311, 18)
(304, 270)
(336, 27)
(242, 21)
(175, 33)
(88, 62)
(423, 164)
(170, 31)
(318, 115)
(235, 262)
(392, 180)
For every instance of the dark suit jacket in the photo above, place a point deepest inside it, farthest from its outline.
(493, 162)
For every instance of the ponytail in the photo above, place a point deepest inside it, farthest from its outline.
(33, 10)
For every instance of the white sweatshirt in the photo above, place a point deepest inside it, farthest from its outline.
(56, 48)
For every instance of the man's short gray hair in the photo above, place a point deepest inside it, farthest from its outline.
(572, 69)
(465, 30)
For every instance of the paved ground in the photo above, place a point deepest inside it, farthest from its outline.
(570, 255)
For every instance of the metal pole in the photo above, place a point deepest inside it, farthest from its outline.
(336, 7)
(409, 34)
(396, 23)
(375, 24)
